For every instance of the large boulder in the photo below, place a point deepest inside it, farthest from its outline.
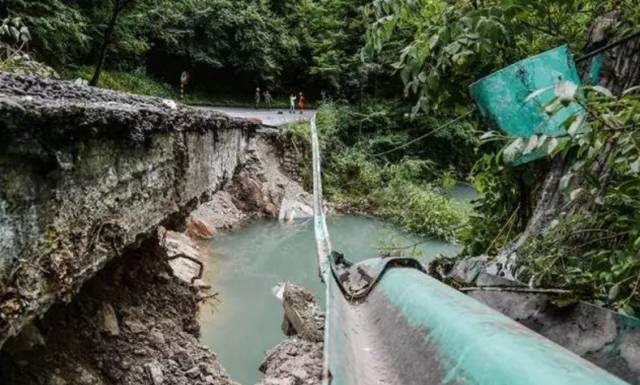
(219, 213)
(296, 204)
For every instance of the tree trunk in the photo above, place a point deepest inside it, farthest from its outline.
(108, 35)
(621, 69)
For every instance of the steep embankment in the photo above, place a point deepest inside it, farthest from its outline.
(87, 174)
(89, 181)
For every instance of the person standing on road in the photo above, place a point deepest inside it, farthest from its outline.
(258, 97)
(185, 77)
(292, 103)
(301, 101)
(267, 98)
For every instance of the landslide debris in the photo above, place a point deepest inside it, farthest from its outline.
(133, 323)
(298, 359)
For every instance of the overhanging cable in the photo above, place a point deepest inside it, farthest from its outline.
(442, 127)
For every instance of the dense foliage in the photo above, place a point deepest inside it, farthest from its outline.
(411, 192)
(593, 245)
(230, 45)
(441, 47)
(14, 38)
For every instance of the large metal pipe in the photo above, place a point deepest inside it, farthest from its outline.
(413, 329)
(323, 243)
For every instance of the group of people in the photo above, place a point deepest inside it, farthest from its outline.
(294, 100)
(267, 98)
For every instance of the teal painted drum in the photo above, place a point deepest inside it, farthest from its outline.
(507, 98)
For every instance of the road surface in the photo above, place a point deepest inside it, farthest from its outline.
(269, 117)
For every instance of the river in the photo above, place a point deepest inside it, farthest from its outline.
(246, 264)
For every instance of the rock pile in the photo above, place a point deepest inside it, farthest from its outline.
(297, 360)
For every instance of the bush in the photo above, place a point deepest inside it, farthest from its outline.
(420, 208)
(14, 37)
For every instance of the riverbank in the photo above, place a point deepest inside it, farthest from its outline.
(406, 190)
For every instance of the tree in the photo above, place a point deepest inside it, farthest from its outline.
(59, 29)
(334, 31)
(226, 43)
(117, 8)
(446, 45)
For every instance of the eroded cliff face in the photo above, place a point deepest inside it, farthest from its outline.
(87, 174)
(133, 323)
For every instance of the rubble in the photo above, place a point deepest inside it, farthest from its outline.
(156, 341)
(297, 360)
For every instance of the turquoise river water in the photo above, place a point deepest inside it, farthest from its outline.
(246, 264)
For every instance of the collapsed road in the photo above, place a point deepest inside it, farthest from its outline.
(94, 185)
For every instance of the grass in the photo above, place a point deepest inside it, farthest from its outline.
(133, 82)
(138, 82)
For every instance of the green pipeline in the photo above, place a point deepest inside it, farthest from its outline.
(412, 329)
(480, 346)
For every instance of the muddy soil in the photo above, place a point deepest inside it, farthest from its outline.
(133, 323)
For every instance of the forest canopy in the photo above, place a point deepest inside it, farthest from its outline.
(276, 43)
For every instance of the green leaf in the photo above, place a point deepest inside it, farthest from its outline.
(565, 180)
(564, 301)
(603, 91)
(566, 91)
(552, 107)
(575, 194)
(627, 310)
(537, 93)
(532, 144)
(513, 150)
(552, 145)
(488, 135)
(614, 291)
(630, 90)
(576, 125)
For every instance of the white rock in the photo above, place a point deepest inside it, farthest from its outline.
(170, 104)
(155, 373)
(109, 320)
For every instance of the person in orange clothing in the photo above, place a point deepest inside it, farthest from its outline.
(301, 101)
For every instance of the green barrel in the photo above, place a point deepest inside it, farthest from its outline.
(506, 97)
